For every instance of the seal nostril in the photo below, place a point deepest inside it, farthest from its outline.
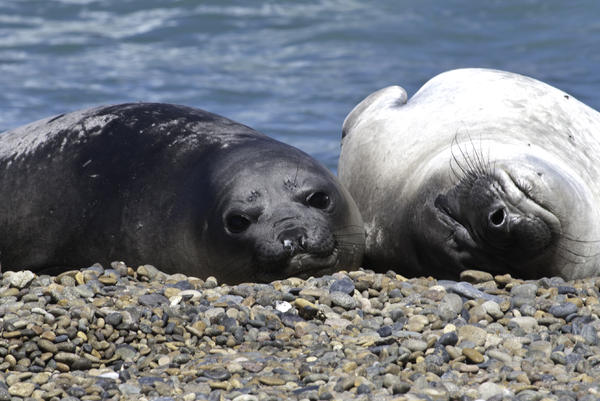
(497, 217)
(288, 245)
(302, 242)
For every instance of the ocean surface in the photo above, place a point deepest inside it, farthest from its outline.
(291, 69)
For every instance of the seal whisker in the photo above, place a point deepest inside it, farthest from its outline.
(481, 166)
(455, 174)
(465, 173)
(486, 165)
(478, 162)
(472, 167)
(471, 164)
(460, 176)
(296, 175)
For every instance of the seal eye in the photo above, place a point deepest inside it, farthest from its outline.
(236, 223)
(319, 200)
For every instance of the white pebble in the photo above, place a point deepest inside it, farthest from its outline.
(283, 306)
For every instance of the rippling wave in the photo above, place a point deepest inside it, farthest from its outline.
(290, 69)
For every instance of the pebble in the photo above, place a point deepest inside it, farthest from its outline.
(467, 290)
(450, 338)
(19, 279)
(450, 306)
(473, 355)
(342, 299)
(475, 276)
(345, 285)
(21, 389)
(527, 290)
(563, 310)
(488, 390)
(493, 309)
(527, 323)
(415, 345)
(472, 334)
(417, 323)
(121, 333)
(271, 381)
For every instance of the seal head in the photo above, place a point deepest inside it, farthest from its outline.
(480, 169)
(285, 214)
(497, 217)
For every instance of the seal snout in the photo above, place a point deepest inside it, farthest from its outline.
(294, 240)
(503, 221)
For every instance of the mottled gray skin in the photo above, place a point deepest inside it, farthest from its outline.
(180, 188)
(480, 169)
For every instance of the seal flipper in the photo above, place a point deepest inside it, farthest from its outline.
(392, 96)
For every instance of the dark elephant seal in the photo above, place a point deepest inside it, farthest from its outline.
(181, 188)
(480, 169)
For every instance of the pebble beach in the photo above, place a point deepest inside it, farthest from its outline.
(120, 332)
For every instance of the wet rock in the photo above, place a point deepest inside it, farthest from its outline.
(475, 276)
(563, 310)
(345, 285)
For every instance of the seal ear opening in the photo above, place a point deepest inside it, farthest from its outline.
(389, 97)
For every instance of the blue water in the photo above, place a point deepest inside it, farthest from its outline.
(291, 69)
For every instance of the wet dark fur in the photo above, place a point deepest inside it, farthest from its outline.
(146, 183)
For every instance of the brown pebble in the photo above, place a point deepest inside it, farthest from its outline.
(37, 329)
(475, 276)
(503, 279)
(108, 279)
(171, 292)
(271, 381)
(463, 367)
(523, 387)
(18, 377)
(79, 278)
(47, 345)
(11, 334)
(41, 378)
(473, 355)
(197, 328)
(349, 367)
(220, 386)
(63, 367)
(307, 309)
(576, 301)
(22, 390)
(11, 360)
(10, 292)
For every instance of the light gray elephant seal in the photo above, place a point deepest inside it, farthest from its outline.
(480, 169)
(181, 188)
